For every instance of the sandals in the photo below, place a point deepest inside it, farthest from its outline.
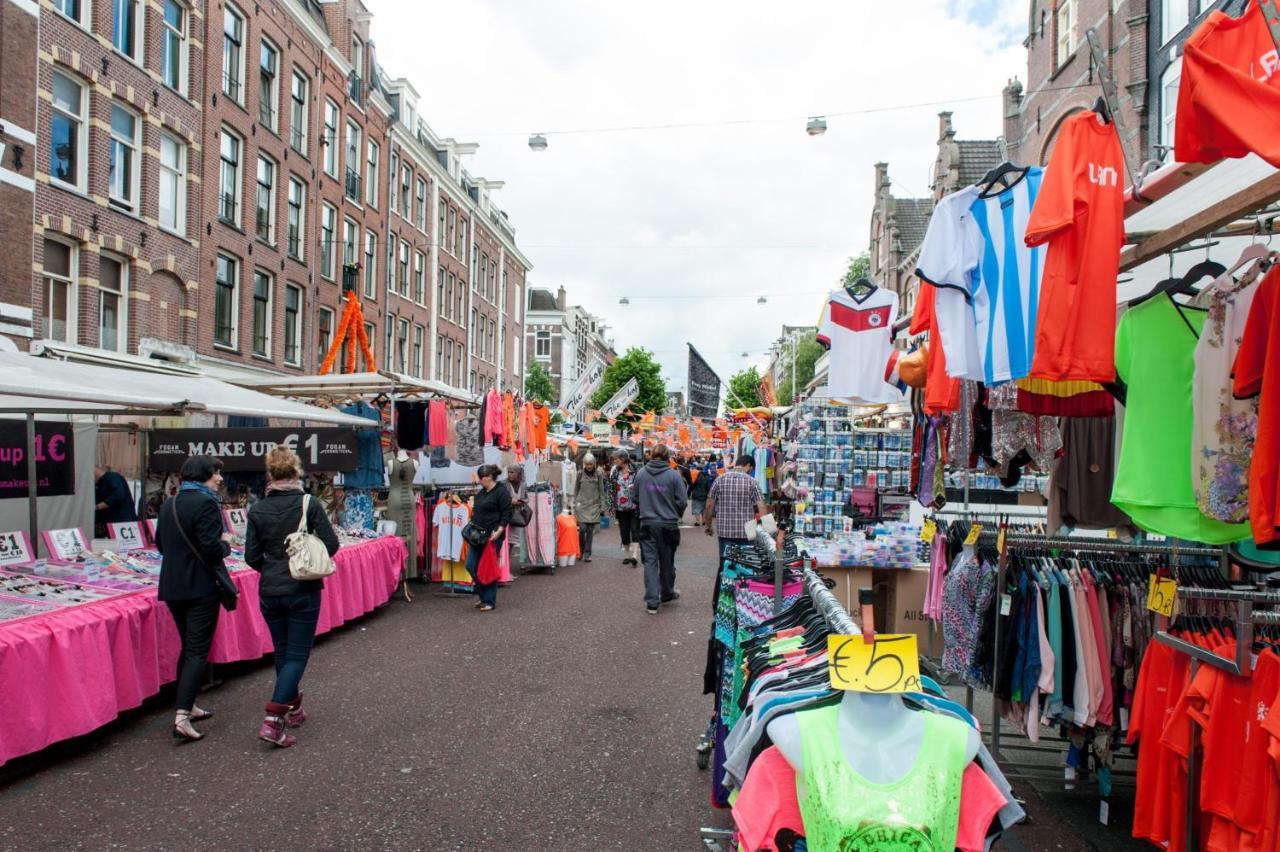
(183, 732)
(198, 715)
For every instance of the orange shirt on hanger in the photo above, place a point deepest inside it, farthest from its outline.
(941, 392)
(539, 419)
(1080, 214)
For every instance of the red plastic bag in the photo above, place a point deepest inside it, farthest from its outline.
(488, 571)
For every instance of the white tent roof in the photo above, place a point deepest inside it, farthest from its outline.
(88, 387)
(355, 384)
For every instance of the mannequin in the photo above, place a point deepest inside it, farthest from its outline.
(401, 505)
(568, 482)
(879, 735)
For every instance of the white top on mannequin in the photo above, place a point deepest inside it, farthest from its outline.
(879, 735)
(402, 456)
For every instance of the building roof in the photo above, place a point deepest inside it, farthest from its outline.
(977, 157)
(542, 300)
(911, 215)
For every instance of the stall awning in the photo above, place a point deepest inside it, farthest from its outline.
(356, 384)
(85, 387)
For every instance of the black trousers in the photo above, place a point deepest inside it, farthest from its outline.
(658, 543)
(629, 526)
(196, 621)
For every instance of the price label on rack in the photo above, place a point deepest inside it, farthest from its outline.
(889, 663)
(1161, 592)
(974, 532)
(929, 530)
(1000, 541)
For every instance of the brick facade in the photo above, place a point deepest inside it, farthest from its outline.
(19, 41)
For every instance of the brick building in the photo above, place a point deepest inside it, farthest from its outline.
(564, 338)
(206, 181)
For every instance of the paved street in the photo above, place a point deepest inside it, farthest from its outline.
(565, 720)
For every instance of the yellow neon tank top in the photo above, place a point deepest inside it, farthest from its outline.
(844, 812)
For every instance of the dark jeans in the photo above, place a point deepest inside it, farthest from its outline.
(586, 535)
(488, 592)
(629, 526)
(658, 543)
(196, 620)
(292, 622)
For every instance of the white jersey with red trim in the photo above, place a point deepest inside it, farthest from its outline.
(859, 333)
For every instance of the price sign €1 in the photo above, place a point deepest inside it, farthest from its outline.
(1161, 592)
(888, 663)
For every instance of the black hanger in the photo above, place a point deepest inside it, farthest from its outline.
(998, 178)
(1185, 284)
(1101, 107)
(862, 288)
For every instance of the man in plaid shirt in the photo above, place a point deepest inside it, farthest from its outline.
(734, 500)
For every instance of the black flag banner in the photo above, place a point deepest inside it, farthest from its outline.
(704, 386)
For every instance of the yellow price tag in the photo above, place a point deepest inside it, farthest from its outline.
(1113, 534)
(929, 530)
(974, 532)
(1160, 595)
(889, 663)
(1000, 541)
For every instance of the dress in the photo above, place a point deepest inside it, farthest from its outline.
(403, 508)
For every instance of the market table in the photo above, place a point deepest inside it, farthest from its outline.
(68, 672)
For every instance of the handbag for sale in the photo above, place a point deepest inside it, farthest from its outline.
(309, 559)
(474, 535)
(224, 587)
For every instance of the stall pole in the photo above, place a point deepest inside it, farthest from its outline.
(144, 436)
(32, 517)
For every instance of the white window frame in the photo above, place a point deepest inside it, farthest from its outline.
(352, 161)
(72, 283)
(124, 152)
(273, 176)
(402, 345)
(419, 336)
(540, 351)
(1170, 80)
(233, 263)
(1065, 31)
(122, 302)
(296, 220)
(236, 181)
(1173, 19)
(84, 14)
(332, 118)
(139, 29)
(419, 278)
(321, 342)
(420, 209)
(404, 269)
(328, 240)
(293, 327)
(350, 242)
(265, 352)
(406, 187)
(177, 173)
(171, 36)
(269, 112)
(391, 262)
(233, 53)
(393, 169)
(371, 173)
(370, 264)
(299, 111)
(81, 122)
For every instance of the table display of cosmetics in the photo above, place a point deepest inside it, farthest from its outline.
(44, 594)
(988, 479)
(886, 545)
(355, 535)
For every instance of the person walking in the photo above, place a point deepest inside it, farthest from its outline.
(192, 545)
(733, 500)
(490, 511)
(699, 490)
(290, 607)
(589, 503)
(622, 502)
(662, 499)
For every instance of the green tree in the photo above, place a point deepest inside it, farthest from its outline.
(808, 351)
(858, 267)
(638, 363)
(538, 384)
(744, 390)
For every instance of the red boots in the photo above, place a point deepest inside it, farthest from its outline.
(295, 717)
(273, 726)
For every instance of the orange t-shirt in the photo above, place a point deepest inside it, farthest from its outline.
(941, 392)
(567, 536)
(1229, 97)
(1152, 702)
(539, 419)
(1271, 823)
(1252, 378)
(1080, 214)
(1257, 775)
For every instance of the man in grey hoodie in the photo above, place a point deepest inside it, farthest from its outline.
(662, 498)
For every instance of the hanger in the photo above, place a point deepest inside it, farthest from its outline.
(861, 289)
(1103, 110)
(997, 178)
(1185, 284)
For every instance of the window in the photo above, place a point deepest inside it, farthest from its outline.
(370, 264)
(406, 184)
(440, 303)
(472, 387)
(420, 211)
(357, 57)
(457, 354)
(350, 233)
(229, 179)
(173, 46)
(126, 29)
(440, 230)
(67, 132)
(330, 140)
(439, 358)
(292, 324)
(371, 176)
(122, 159)
(226, 301)
(324, 323)
(419, 280)
(265, 217)
(391, 263)
(113, 301)
(448, 362)
(61, 294)
(262, 287)
(493, 341)
(298, 112)
(268, 88)
(1064, 22)
(460, 295)
(394, 169)
(448, 304)
(471, 330)
(461, 251)
(418, 334)
(233, 55)
(404, 269)
(328, 239)
(353, 161)
(452, 245)
(73, 9)
(542, 344)
(173, 184)
(402, 346)
(297, 218)
(1173, 16)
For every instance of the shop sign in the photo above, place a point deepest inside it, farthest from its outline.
(67, 545)
(126, 536)
(618, 403)
(244, 449)
(55, 459)
(15, 549)
(586, 385)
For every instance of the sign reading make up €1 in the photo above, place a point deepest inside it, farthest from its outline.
(889, 663)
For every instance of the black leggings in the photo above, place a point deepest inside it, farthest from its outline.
(629, 526)
(196, 620)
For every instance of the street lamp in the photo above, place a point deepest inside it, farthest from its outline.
(624, 301)
(816, 126)
(762, 301)
(537, 142)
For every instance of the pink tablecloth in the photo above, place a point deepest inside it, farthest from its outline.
(69, 672)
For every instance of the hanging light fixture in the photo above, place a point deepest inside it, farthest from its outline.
(624, 301)
(816, 126)
(762, 301)
(537, 142)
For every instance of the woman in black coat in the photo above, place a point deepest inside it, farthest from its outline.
(490, 510)
(192, 541)
(290, 607)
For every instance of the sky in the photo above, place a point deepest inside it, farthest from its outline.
(694, 224)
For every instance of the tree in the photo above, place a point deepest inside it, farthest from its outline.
(744, 390)
(808, 351)
(859, 267)
(638, 363)
(538, 384)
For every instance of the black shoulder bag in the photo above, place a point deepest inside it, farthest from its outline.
(223, 586)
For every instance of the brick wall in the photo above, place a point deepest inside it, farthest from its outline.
(19, 39)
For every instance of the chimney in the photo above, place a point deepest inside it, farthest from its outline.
(945, 130)
(882, 179)
(560, 299)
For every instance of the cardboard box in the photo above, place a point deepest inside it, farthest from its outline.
(906, 609)
(850, 580)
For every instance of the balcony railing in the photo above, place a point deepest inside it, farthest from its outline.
(228, 211)
(295, 243)
(353, 185)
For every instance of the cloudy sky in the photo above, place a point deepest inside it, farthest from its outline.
(694, 224)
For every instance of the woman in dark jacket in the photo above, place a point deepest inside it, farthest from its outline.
(192, 541)
(490, 510)
(290, 607)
